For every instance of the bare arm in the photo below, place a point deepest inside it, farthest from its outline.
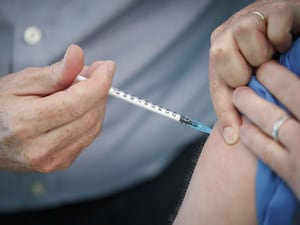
(222, 188)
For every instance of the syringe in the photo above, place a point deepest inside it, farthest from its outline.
(155, 108)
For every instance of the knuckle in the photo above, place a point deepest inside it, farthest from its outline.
(217, 52)
(241, 28)
(65, 165)
(44, 166)
(215, 34)
(258, 59)
(38, 157)
(35, 162)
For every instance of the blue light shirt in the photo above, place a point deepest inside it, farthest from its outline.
(275, 202)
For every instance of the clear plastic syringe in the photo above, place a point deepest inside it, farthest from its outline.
(155, 108)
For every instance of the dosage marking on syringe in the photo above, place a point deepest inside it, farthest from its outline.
(145, 102)
(156, 108)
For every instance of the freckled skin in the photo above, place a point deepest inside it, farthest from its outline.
(46, 119)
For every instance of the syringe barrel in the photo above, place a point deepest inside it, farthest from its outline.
(144, 104)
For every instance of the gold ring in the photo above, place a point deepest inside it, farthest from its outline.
(260, 14)
(277, 125)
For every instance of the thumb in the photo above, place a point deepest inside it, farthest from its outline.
(63, 73)
(227, 115)
(56, 77)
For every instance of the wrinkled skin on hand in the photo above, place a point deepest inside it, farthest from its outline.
(46, 119)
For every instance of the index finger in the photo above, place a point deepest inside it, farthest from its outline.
(64, 106)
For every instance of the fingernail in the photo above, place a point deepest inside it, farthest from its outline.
(110, 66)
(229, 135)
(60, 64)
(67, 52)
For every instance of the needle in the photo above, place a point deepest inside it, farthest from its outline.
(155, 108)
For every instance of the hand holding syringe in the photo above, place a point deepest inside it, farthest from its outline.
(155, 108)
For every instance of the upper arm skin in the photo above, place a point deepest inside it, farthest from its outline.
(222, 188)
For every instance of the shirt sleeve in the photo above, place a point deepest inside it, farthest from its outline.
(275, 202)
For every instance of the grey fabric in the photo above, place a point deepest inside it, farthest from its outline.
(5, 46)
(161, 52)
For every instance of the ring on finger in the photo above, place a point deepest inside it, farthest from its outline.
(278, 123)
(260, 14)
